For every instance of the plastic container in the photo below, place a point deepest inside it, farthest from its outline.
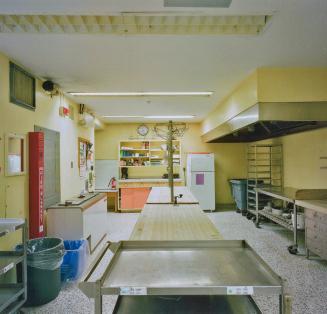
(44, 257)
(239, 191)
(75, 259)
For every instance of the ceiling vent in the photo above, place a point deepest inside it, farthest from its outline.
(198, 3)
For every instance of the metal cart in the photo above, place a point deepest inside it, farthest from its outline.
(286, 196)
(218, 271)
(265, 169)
(13, 295)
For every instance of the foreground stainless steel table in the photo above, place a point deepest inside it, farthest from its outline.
(214, 267)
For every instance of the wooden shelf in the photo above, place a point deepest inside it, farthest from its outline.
(131, 157)
(153, 148)
(132, 149)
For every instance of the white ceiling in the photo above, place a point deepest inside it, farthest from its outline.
(125, 63)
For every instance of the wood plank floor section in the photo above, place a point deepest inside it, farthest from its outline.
(169, 222)
(161, 195)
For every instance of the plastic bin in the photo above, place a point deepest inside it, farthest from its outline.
(75, 259)
(239, 191)
(44, 257)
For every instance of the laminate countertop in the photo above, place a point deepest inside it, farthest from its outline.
(82, 204)
(147, 180)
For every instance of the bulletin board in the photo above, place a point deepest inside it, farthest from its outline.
(82, 156)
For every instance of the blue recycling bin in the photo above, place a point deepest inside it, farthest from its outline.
(75, 259)
(239, 191)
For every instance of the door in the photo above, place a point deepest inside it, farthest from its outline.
(51, 166)
(203, 188)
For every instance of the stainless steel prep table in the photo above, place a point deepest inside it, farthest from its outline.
(289, 195)
(214, 267)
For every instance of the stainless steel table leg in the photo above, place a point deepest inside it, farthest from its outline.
(295, 225)
(287, 304)
(98, 298)
(293, 248)
(256, 208)
(281, 304)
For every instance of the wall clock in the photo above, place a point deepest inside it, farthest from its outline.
(142, 130)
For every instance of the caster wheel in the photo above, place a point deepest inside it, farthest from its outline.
(292, 249)
(257, 224)
(249, 216)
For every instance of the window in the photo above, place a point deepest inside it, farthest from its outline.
(22, 87)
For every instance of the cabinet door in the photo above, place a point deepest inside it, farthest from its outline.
(140, 197)
(134, 198)
(127, 196)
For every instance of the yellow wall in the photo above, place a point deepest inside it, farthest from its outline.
(229, 158)
(14, 190)
(302, 154)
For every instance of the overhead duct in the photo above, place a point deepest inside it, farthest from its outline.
(267, 120)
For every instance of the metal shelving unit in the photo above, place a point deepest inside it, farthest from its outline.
(265, 169)
(13, 295)
(287, 196)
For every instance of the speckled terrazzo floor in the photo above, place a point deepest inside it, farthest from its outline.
(305, 279)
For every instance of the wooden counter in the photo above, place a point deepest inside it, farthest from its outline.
(169, 222)
(131, 183)
(161, 195)
(316, 205)
(84, 204)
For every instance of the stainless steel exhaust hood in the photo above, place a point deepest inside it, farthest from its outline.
(267, 120)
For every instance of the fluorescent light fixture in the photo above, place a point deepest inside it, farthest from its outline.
(151, 117)
(169, 117)
(119, 117)
(198, 3)
(129, 94)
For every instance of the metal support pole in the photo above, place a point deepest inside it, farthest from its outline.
(170, 167)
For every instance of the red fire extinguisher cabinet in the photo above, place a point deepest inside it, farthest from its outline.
(36, 184)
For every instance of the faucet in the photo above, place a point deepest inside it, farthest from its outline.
(176, 197)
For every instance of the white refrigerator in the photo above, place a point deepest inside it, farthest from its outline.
(201, 178)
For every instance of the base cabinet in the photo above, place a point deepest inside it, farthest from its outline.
(316, 232)
(133, 198)
(74, 223)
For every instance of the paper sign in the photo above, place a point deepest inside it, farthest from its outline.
(199, 179)
(240, 290)
(133, 291)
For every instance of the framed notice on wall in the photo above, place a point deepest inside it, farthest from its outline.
(82, 157)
